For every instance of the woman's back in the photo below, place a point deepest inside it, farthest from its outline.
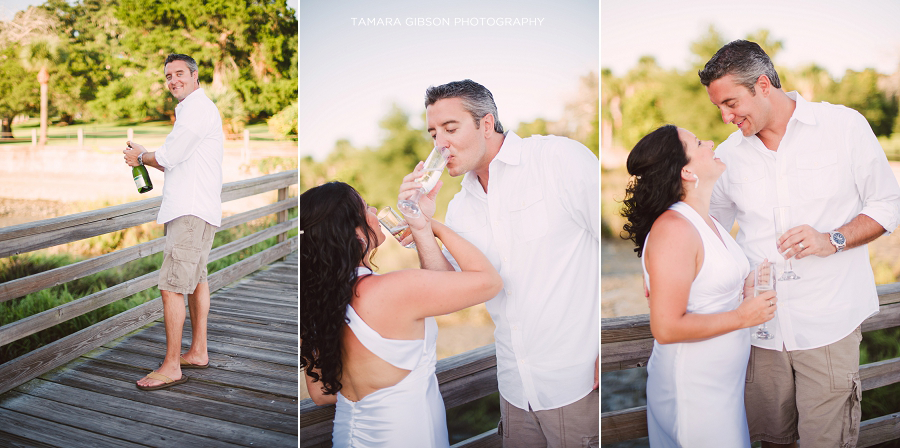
(390, 394)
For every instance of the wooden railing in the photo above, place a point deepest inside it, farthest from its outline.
(626, 343)
(462, 378)
(51, 232)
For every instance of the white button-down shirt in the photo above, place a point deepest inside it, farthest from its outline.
(192, 156)
(829, 168)
(539, 225)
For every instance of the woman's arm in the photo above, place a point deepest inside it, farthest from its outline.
(317, 393)
(424, 293)
(673, 258)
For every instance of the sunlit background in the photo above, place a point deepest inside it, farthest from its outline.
(828, 50)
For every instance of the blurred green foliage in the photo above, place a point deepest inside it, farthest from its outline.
(648, 96)
(105, 58)
(376, 172)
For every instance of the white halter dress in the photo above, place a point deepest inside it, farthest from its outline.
(408, 414)
(695, 390)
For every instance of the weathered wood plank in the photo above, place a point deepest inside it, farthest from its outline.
(634, 328)
(879, 430)
(10, 440)
(46, 319)
(80, 416)
(216, 360)
(878, 374)
(625, 355)
(47, 233)
(626, 424)
(23, 286)
(47, 433)
(184, 398)
(259, 354)
(160, 416)
(487, 439)
(57, 353)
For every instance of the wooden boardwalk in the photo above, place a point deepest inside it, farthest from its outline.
(248, 396)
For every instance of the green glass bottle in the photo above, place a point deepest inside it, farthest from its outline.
(141, 178)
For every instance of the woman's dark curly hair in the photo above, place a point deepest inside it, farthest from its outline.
(655, 164)
(330, 252)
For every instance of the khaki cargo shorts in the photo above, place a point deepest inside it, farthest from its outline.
(811, 395)
(188, 242)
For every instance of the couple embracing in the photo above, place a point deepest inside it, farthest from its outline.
(709, 384)
(521, 235)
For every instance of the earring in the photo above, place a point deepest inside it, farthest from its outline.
(696, 184)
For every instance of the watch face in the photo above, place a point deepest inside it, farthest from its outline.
(838, 238)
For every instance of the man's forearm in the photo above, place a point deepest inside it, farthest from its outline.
(861, 230)
(149, 159)
(430, 255)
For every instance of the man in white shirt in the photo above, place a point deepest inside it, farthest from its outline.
(538, 223)
(191, 210)
(825, 163)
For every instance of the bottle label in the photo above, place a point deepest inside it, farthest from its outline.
(139, 181)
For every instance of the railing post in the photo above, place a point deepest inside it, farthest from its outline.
(281, 216)
(80, 138)
(245, 151)
(34, 137)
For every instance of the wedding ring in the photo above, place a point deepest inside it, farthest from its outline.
(801, 245)
(770, 302)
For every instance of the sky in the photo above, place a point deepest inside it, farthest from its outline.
(351, 72)
(835, 34)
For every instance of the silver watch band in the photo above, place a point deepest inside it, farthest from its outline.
(141, 158)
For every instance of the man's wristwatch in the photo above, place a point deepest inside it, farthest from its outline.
(837, 240)
(141, 160)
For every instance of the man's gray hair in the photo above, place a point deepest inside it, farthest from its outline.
(744, 60)
(191, 63)
(476, 99)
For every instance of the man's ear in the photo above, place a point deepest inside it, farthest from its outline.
(764, 85)
(488, 122)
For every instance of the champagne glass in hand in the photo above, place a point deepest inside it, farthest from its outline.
(395, 225)
(764, 280)
(434, 166)
(782, 224)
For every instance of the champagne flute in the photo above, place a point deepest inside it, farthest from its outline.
(434, 166)
(782, 224)
(763, 280)
(395, 225)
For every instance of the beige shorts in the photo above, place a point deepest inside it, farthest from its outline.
(573, 425)
(810, 395)
(188, 242)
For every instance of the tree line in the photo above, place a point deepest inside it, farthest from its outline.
(648, 96)
(103, 59)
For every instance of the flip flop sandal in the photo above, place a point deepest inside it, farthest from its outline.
(167, 382)
(185, 364)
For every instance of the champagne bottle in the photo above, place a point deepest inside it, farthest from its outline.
(141, 178)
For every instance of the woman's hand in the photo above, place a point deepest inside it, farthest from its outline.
(756, 310)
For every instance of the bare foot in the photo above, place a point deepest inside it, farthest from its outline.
(197, 359)
(174, 373)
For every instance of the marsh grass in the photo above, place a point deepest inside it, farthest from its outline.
(32, 263)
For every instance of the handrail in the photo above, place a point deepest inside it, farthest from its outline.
(51, 232)
(626, 342)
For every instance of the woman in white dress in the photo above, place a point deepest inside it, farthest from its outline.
(700, 294)
(367, 342)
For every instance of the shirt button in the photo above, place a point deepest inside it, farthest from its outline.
(516, 327)
(522, 362)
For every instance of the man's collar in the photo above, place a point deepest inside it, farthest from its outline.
(191, 95)
(511, 149)
(803, 112)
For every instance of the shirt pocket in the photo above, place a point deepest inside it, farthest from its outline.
(817, 174)
(528, 214)
(748, 181)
